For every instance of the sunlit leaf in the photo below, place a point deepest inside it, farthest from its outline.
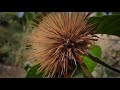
(96, 51)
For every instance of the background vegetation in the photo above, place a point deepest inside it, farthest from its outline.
(13, 26)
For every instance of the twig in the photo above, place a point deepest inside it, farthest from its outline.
(83, 66)
(102, 63)
(85, 70)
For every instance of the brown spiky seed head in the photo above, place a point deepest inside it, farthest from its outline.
(55, 41)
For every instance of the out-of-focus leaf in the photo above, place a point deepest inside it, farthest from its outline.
(116, 13)
(107, 24)
(9, 13)
(99, 14)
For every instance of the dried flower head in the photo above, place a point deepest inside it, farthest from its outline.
(57, 39)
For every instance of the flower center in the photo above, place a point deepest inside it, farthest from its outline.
(69, 44)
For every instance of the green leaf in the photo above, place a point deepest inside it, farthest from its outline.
(78, 73)
(9, 13)
(115, 13)
(27, 67)
(96, 51)
(109, 24)
(32, 72)
(99, 14)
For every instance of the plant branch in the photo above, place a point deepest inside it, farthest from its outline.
(102, 63)
(83, 66)
(85, 70)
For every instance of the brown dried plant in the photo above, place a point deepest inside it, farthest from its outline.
(57, 40)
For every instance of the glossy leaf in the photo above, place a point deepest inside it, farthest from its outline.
(109, 24)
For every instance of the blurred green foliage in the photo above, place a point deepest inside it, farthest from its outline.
(9, 44)
(12, 29)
